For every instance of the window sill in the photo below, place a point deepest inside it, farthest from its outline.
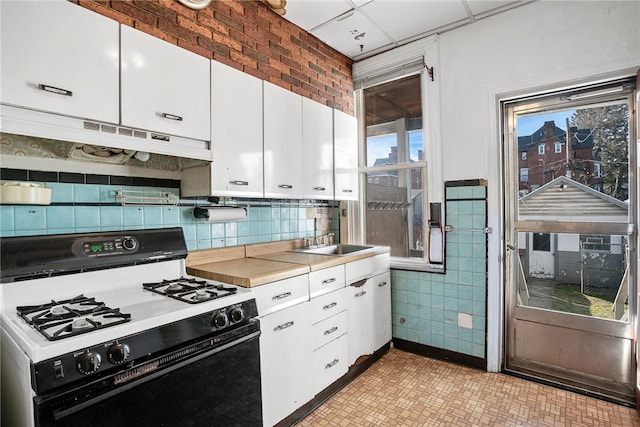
(416, 264)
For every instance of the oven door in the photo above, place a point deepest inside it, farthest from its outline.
(217, 387)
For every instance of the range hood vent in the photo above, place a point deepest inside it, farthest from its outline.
(96, 153)
(93, 139)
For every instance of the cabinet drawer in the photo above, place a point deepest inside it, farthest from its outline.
(326, 280)
(329, 329)
(284, 293)
(329, 363)
(367, 267)
(327, 305)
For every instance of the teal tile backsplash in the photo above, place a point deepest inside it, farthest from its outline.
(426, 306)
(79, 208)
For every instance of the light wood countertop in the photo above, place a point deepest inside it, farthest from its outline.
(247, 272)
(255, 265)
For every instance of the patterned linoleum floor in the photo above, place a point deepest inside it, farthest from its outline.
(403, 389)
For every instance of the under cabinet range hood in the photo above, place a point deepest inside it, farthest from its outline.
(94, 139)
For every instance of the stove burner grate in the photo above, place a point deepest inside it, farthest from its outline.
(190, 289)
(61, 319)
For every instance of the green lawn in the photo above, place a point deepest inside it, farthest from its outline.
(569, 299)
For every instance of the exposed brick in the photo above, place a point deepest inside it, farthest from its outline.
(291, 80)
(300, 75)
(106, 11)
(244, 60)
(212, 24)
(318, 69)
(156, 32)
(278, 48)
(214, 47)
(178, 31)
(226, 20)
(194, 26)
(136, 13)
(157, 10)
(291, 63)
(226, 40)
(242, 39)
(178, 8)
(252, 53)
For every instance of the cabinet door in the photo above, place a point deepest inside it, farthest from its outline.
(345, 140)
(282, 142)
(317, 150)
(286, 362)
(381, 288)
(164, 88)
(360, 318)
(236, 132)
(61, 58)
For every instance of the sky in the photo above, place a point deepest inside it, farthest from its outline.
(529, 124)
(380, 147)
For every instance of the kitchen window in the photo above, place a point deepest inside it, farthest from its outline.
(394, 168)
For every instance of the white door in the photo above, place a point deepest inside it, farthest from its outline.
(541, 258)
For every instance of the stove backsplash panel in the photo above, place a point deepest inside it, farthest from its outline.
(86, 203)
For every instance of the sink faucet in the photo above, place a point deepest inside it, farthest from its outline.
(315, 230)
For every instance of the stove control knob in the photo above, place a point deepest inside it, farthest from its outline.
(118, 353)
(129, 243)
(88, 363)
(220, 320)
(236, 314)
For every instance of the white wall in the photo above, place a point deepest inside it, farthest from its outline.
(542, 45)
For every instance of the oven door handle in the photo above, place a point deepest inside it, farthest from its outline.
(59, 414)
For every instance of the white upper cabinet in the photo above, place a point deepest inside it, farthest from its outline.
(317, 150)
(345, 134)
(59, 57)
(164, 88)
(236, 132)
(282, 143)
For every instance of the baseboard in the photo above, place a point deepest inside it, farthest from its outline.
(440, 354)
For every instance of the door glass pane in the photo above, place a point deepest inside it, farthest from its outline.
(576, 163)
(586, 274)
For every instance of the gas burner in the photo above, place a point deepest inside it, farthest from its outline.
(61, 319)
(191, 290)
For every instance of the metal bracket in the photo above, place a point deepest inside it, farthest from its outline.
(429, 70)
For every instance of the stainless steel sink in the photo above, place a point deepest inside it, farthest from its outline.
(338, 249)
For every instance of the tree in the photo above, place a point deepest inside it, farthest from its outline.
(610, 129)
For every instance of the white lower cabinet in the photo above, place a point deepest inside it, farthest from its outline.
(360, 324)
(381, 288)
(286, 363)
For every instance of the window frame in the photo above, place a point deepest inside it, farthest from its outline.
(541, 149)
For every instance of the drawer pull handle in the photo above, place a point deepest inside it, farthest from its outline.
(55, 90)
(239, 182)
(328, 306)
(347, 190)
(327, 281)
(319, 188)
(281, 296)
(382, 284)
(171, 117)
(330, 331)
(359, 294)
(283, 326)
(332, 363)
(286, 186)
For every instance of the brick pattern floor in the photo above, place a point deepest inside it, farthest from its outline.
(403, 389)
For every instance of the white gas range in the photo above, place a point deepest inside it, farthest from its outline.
(92, 322)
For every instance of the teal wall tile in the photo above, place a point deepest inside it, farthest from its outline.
(170, 216)
(152, 216)
(6, 219)
(111, 216)
(61, 192)
(132, 216)
(28, 218)
(87, 216)
(86, 193)
(462, 289)
(60, 217)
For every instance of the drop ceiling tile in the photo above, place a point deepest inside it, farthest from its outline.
(308, 14)
(403, 19)
(341, 35)
(481, 6)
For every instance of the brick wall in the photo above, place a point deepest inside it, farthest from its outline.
(248, 36)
